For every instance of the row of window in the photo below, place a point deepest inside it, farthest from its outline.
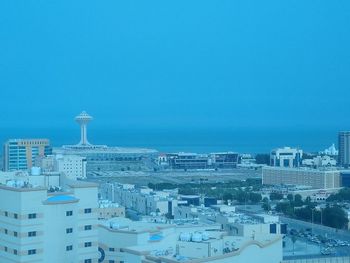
(86, 211)
(15, 251)
(30, 234)
(15, 215)
(86, 244)
(70, 230)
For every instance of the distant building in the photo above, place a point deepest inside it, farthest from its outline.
(107, 210)
(332, 151)
(72, 166)
(190, 161)
(344, 148)
(286, 157)
(320, 161)
(100, 158)
(20, 154)
(315, 178)
(143, 200)
(345, 178)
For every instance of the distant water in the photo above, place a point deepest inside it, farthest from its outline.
(200, 141)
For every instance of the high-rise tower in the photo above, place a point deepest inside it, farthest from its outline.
(83, 119)
(344, 148)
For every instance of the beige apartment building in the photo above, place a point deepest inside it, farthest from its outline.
(315, 178)
(41, 226)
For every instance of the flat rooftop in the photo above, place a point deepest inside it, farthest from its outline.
(103, 149)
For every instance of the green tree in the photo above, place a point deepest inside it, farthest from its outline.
(335, 217)
(276, 196)
(255, 197)
(290, 197)
(266, 206)
(298, 200)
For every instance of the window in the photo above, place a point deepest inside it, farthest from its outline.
(31, 251)
(69, 230)
(111, 261)
(15, 215)
(6, 231)
(6, 213)
(88, 227)
(15, 251)
(87, 244)
(32, 233)
(32, 216)
(15, 233)
(69, 248)
(87, 261)
(87, 210)
(5, 249)
(69, 213)
(111, 249)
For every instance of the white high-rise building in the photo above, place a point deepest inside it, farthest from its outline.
(37, 225)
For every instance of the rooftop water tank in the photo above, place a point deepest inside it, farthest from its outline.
(35, 171)
(197, 237)
(185, 237)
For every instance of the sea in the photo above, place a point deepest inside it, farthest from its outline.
(197, 140)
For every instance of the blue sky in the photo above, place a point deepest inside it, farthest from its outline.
(173, 64)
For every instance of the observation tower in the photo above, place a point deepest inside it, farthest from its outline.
(83, 119)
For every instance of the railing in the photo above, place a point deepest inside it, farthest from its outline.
(319, 260)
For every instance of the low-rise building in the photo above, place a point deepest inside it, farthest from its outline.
(108, 210)
(122, 240)
(142, 200)
(72, 166)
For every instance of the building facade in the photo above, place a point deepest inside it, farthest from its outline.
(315, 178)
(20, 154)
(286, 157)
(344, 148)
(41, 226)
(189, 161)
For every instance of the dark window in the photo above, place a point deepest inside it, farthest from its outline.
(88, 227)
(6, 213)
(32, 216)
(69, 213)
(32, 233)
(87, 210)
(15, 215)
(6, 231)
(87, 244)
(111, 249)
(5, 249)
(111, 261)
(69, 230)
(69, 248)
(284, 229)
(15, 251)
(31, 251)
(87, 261)
(273, 229)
